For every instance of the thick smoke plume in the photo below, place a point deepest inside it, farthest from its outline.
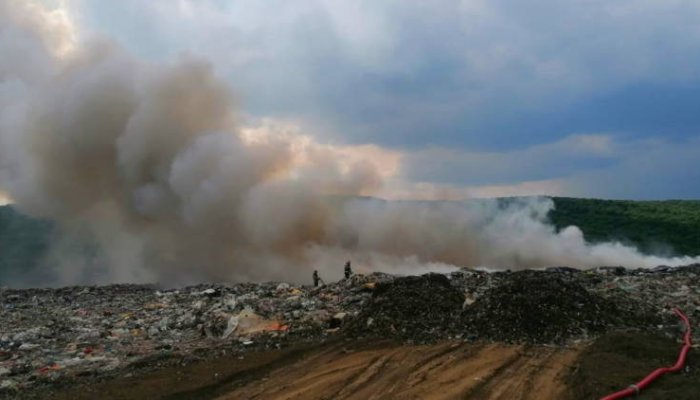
(152, 163)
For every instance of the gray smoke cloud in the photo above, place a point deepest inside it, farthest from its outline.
(152, 163)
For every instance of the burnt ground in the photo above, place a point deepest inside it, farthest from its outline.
(535, 307)
(416, 309)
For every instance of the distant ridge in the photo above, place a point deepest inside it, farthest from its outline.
(24, 242)
(669, 227)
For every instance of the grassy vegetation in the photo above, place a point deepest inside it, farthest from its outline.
(619, 359)
(671, 226)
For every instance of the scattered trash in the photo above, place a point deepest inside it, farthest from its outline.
(337, 320)
(51, 335)
(74, 331)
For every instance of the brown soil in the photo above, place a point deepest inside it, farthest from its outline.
(444, 371)
(355, 371)
(383, 370)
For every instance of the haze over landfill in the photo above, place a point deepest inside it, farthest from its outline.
(231, 154)
(351, 200)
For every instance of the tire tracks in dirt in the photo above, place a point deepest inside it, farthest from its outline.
(442, 371)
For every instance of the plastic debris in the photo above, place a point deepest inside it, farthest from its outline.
(51, 335)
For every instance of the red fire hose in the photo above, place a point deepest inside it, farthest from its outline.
(634, 389)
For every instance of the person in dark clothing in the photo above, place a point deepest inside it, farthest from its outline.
(317, 278)
(348, 270)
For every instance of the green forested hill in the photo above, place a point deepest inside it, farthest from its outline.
(661, 227)
(652, 226)
(23, 244)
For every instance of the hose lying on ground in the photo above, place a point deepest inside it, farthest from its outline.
(635, 388)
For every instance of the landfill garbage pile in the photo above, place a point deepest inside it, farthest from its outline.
(540, 307)
(413, 308)
(53, 336)
(56, 337)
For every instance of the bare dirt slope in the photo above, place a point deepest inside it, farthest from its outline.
(352, 370)
(443, 371)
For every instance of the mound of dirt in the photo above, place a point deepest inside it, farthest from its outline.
(538, 307)
(413, 308)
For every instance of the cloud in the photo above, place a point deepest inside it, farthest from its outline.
(651, 169)
(158, 169)
(428, 191)
(488, 74)
(586, 165)
(32, 38)
(546, 161)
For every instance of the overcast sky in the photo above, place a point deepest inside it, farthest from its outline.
(592, 98)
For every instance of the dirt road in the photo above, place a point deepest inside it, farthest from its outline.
(444, 371)
(351, 370)
(371, 370)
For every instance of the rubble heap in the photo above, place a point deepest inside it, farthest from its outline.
(541, 307)
(413, 308)
(52, 337)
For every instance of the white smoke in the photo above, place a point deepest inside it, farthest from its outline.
(152, 164)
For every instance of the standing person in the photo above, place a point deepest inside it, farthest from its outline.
(316, 278)
(348, 270)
